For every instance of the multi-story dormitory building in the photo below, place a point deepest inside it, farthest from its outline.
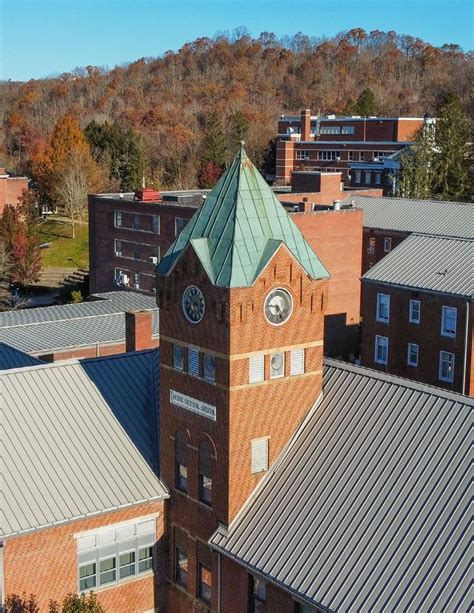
(281, 483)
(332, 144)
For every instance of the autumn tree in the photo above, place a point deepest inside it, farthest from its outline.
(453, 135)
(15, 603)
(366, 105)
(72, 603)
(21, 242)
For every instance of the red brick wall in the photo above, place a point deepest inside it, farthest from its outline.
(372, 255)
(11, 189)
(45, 564)
(336, 237)
(102, 234)
(234, 325)
(407, 129)
(426, 334)
(91, 352)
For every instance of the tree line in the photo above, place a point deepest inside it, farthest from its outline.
(177, 118)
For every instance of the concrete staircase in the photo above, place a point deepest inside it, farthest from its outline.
(62, 278)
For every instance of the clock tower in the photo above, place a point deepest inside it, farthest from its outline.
(242, 297)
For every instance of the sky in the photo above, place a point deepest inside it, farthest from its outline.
(40, 38)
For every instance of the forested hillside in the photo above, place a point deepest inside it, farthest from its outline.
(237, 82)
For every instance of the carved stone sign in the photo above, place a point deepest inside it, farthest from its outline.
(191, 404)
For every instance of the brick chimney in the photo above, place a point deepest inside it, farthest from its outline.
(138, 331)
(305, 124)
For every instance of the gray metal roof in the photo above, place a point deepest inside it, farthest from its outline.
(437, 217)
(79, 438)
(74, 325)
(368, 507)
(13, 358)
(431, 263)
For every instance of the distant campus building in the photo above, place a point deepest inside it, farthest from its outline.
(11, 188)
(235, 469)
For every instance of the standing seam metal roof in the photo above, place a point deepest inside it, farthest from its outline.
(436, 217)
(431, 263)
(13, 358)
(239, 228)
(79, 438)
(368, 508)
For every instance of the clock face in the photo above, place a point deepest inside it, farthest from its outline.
(193, 304)
(278, 306)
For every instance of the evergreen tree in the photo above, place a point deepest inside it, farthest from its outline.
(105, 140)
(453, 135)
(417, 166)
(366, 105)
(213, 145)
(132, 163)
(239, 128)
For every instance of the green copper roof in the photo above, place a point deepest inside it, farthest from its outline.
(239, 228)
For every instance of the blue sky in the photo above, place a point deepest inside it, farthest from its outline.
(45, 37)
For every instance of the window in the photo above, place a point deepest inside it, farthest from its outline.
(446, 366)
(348, 129)
(205, 583)
(358, 176)
(259, 595)
(193, 362)
(277, 365)
(127, 564)
(413, 352)
(256, 369)
(136, 221)
(118, 248)
(259, 449)
(209, 367)
(108, 572)
(371, 247)
(448, 321)
(387, 244)
(155, 224)
(145, 559)
(361, 156)
(414, 312)
(125, 546)
(87, 576)
(350, 156)
(181, 570)
(302, 154)
(118, 219)
(137, 280)
(297, 362)
(181, 451)
(381, 349)
(378, 178)
(179, 224)
(329, 155)
(205, 472)
(178, 357)
(383, 308)
(367, 177)
(330, 130)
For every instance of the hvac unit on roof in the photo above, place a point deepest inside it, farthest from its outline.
(153, 259)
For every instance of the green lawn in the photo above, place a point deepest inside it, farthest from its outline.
(64, 248)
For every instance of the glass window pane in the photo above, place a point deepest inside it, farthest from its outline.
(107, 571)
(205, 583)
(181, 568)
(146, 552)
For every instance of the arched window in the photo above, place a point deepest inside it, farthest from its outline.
(181, 456)
(206, 472)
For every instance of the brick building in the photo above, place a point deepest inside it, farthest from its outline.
(306, 142)
(82, 505)
(389, 221)
(417, 311)
(11, 188)
(90, 329)
(294, 484)
(129, 233)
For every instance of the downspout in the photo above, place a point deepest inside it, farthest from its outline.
(466, 339)
(218, 582)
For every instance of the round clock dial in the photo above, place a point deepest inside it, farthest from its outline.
(193, 304)
(278, 306)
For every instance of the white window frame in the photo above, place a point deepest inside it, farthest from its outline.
(254, 362)
(358, 177)
(297, 361)
(259, 445)
(411, 312)
(281, 373)
(378, 178)
(382, 318)
(134, 564)
(330, 130)
(444, 359)
(444, 331)
(367, 177)
(361, 156)
(118, 219)
(350, 156)
(347, 130)
(302, 154)
(387, 244)
(384, 344)
(329, 155)
(411, 362)
(104, 559)
(95, 574)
